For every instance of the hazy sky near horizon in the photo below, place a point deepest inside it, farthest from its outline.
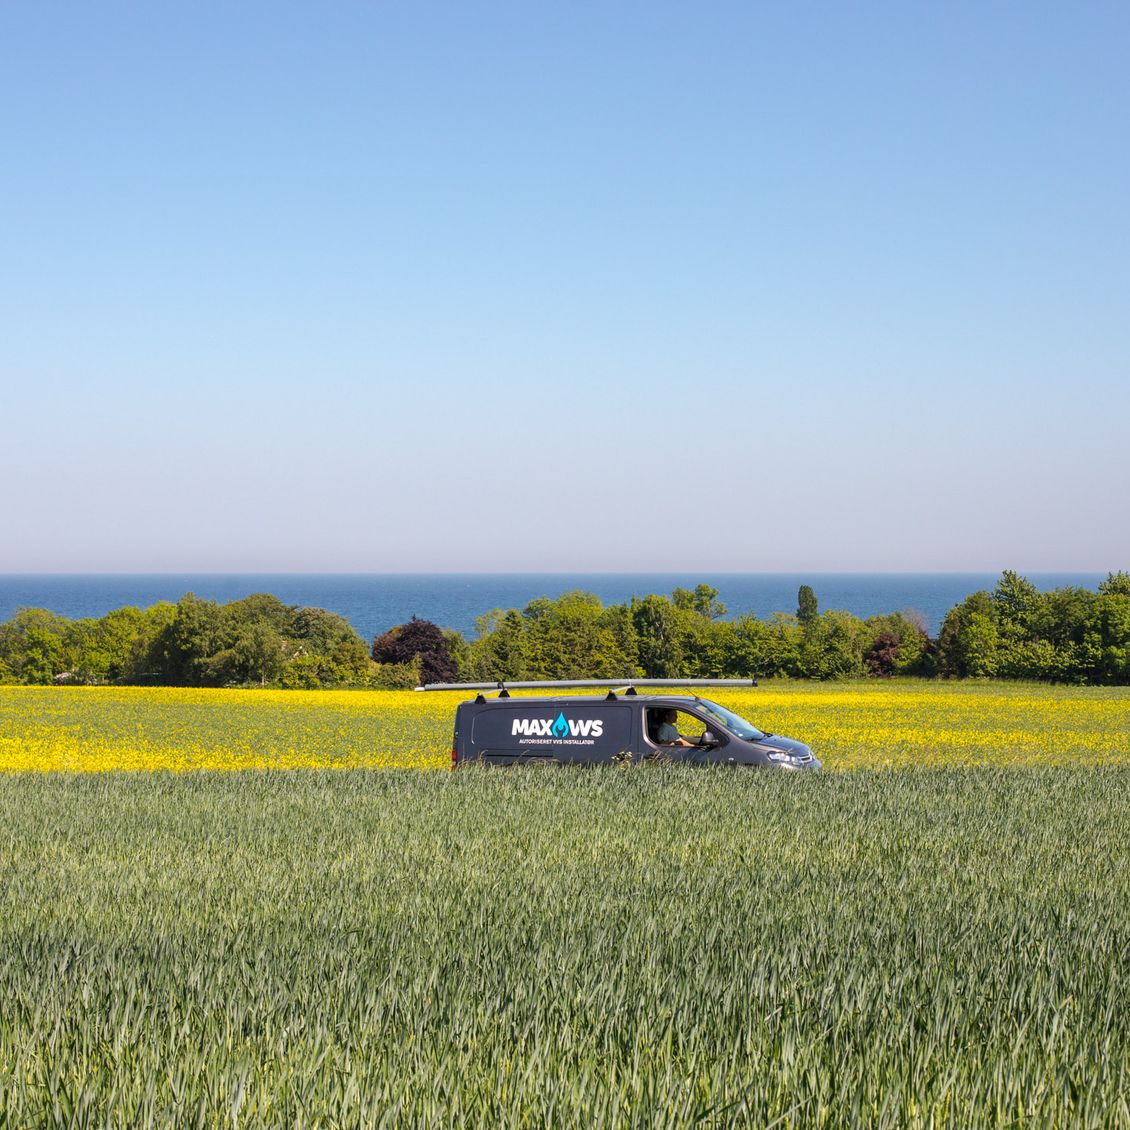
(599, 286)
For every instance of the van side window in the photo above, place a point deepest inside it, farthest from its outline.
(667, 726)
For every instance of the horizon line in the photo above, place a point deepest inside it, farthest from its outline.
(547, 572)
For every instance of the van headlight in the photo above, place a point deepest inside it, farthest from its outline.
(779, 755)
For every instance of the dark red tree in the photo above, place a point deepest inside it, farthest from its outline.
(883, 654)
(421, 638)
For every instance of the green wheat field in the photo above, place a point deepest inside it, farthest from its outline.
(669, 947)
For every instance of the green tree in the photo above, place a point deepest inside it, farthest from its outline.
(703, 601)
(499, 650)
(783, 646)
(324, 650)
(118, 646)
(196, 633)
(42, 657)
(1031, 659)
(967, 643)
(32, 645)
(85, 658)
(245, 641)
(263, 608)
(1062, 615)
(572, 638)
(832, 646)
(807, 607)
(618, 620)
(981, 642)
(1116, 584)
(1107, 638)
(1018, 605)
(659, 646)
(259, 653)
(456, 647)
(710, 650)
(749, 649)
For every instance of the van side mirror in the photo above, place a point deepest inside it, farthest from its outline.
(708, 739)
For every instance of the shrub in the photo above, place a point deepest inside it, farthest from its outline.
(399, 676)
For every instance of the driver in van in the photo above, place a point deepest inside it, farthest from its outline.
(668, 732)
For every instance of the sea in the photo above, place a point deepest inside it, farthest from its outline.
(375, 602)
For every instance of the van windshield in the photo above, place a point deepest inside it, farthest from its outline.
(736, 724)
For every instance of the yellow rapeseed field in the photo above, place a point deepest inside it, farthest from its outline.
(849, 726)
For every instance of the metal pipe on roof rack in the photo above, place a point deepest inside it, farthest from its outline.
(528, 685)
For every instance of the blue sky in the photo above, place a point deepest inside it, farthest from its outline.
(598, 286)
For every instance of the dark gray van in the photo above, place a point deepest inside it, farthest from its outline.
(628, 727)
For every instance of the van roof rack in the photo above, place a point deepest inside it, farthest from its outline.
(620, 686)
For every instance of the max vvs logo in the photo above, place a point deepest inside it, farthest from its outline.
(561, 727)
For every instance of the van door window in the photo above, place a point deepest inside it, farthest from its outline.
(673, 729)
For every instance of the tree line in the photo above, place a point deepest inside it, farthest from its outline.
(1014, 631)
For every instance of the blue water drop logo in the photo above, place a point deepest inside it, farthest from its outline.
(561, 727)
